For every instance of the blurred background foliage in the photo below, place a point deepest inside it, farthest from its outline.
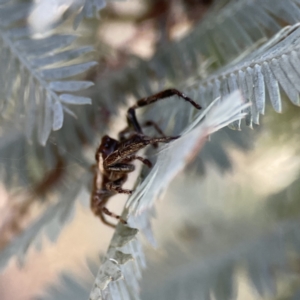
(228, 225)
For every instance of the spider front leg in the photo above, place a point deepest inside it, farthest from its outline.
(103, 219)
(109, 213)
(155, 126)
(119, 167)
(101, 197)
(99, 200)
(127, 168)
(144, 160)
(116, 187)
(131, 116)
(129, 147)
(123, 134)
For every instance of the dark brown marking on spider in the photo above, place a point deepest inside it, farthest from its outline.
(114, 157)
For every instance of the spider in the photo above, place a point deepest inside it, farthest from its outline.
(114, 157)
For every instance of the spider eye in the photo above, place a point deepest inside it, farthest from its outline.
(107, 145)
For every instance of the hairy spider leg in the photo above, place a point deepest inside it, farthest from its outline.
(120, 168)
(131, 146)
(103, 219)
(98, 209)
(111, 214)
(116, 186)
(101, 197)
(145, 161)
(156, 127)
(128, 130)
(123, 168)
(131, 116)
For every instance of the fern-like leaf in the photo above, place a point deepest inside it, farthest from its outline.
(228, 33)
(263, 71)
(48, 14)
(32, 78)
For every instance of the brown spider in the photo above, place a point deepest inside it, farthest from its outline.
(114, 158)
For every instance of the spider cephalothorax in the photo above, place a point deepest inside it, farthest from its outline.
(114, 157)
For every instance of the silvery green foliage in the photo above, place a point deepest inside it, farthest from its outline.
(264, 254)
(258, 74)
(119, 274)
(228, 33)
(49, 223)
(47, 14)
(90, 9)
(181, 63)
(171, 160)
(116, 266)
(173, 157)
(38, 75)
(34, 96)
(33, 162)
(73, 288)
(216, 274)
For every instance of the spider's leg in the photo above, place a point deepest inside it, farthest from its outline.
(122, 133)
(109, 213)
(145, 161)
(131, 116)
(131, 158)
(125, 167)
(98, 202)
(99, 199)
(113, 186)
(102, 218)
(156, 127)
(116, 186)
(164, 139)
(121, 168)
(131, 146)
(128, 130)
